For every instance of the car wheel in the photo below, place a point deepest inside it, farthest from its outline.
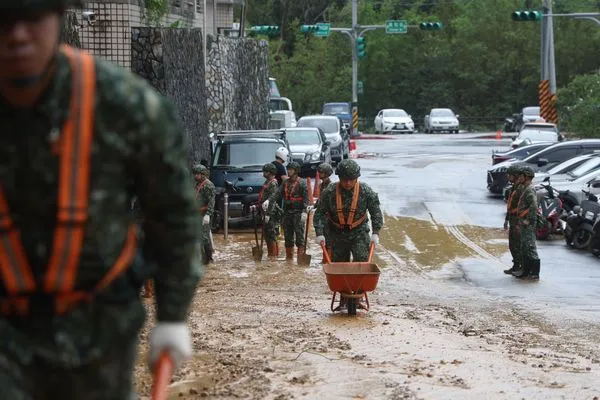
(411, 132)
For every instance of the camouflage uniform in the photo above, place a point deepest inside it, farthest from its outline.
(344, 239)
(325, 172)
(294, 193)
(138, 149)
(514, 242)
(205, 194)
(527, 214)
(271, 228)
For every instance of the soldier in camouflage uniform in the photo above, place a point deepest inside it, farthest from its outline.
(80, 138)
(349, 231)
(205, 193)
(527, 213)
(325, 172)
(511, 220)
(294, 192)
(271, 225)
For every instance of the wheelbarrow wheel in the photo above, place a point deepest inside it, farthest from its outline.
(351, 305)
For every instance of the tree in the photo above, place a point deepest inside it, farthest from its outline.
(579, 105)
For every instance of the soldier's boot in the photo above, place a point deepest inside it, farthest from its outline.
(208, 254)
(148, 289)
(289, 253)
(523, 270)
(301, 251)
(275, 249)
(535, 270)
(269, 249)
(512, 269)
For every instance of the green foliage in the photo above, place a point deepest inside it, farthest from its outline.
(481, 63)
(579, 105)
(156, 10)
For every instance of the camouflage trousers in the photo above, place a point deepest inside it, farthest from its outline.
(108, 377)
(355, 244)
(205, 243)
(271, 230)
(528, 243)
(514, 241)
(293, 229)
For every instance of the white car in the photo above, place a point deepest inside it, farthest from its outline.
(574, 186)
(440, 120)
(538, 132)
(561, 171)
(394, 120)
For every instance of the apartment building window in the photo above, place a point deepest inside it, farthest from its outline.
(200, 6)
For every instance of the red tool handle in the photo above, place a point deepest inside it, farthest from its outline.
(371, 251)
(325, 253)
(162, 376)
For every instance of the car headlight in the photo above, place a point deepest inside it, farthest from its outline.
(315, 156)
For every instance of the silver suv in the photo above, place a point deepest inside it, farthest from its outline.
(332, 127)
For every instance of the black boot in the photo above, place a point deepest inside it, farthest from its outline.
(535, 270)
(523, 271)
(208, 251)
(512, 269)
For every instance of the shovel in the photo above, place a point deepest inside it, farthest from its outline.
(257, 251)
(304, 259)
(162, 376)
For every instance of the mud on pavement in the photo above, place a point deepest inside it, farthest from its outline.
(265, 331)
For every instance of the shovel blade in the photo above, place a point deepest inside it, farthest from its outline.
(304, 259)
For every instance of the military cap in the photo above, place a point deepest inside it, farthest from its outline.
(294, 165)
(513, 170)
(200, 169)
(325, 169)
(527, 171)
(269, 167)
(348, 169)
(22, 6)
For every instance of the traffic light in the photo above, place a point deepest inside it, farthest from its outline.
(526, 15)
(270, 30)
(430, 26)
(361, 47)
(308, 28)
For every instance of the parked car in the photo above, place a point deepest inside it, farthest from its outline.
(394, 120)
(441, 120)
(334, 131)
(545, 159)
(575, 186)
(537, 132)
(273, 89)
(343, 111)
(528, 114)
(309, 147)
(518, 153)
(573, 167)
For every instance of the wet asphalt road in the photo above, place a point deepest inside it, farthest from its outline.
(441, 181)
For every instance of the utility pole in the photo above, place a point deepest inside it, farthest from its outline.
(547, 86)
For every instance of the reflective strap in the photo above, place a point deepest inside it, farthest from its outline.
(287, 193)
(14, 267)
(200, 186)
(74, 176)
(353, 204)
(262, 190)
(354, 225)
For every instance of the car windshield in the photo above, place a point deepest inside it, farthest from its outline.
(327, 125)
(442, 112)
(245, 154)
(584, 168)
(394, 113)
(334, 109)
(298, 136)
(531, 111)
(538, 135)
(569, 164)
(278, 104)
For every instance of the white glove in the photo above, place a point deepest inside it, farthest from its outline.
(206, 220)
(375, 238)
(267, 219)
(321, 239)
(172, 337)
(309, 209)
(303, 217)
(252, 208)
(265, 205)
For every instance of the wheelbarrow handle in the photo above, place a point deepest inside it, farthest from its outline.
(371, 251)
(162, 376)
(325, 253)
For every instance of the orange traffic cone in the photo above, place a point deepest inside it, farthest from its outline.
(498, 134)
(352, 146)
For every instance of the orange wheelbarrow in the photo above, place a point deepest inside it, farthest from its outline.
(352, 280)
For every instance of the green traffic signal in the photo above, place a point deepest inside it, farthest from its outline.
(361, 47)
(430, 26)
(526, 15)
(308, 28)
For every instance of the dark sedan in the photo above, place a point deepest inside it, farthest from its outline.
(309, 147)
(519, 153)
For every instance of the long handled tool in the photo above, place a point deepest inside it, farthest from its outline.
(257, 251)
(304, 259)
(328, 258)
(162, 376)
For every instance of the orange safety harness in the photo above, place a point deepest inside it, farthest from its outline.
(511, 210)
(74, 149)
(288, 194)
(199, 189)
(264, 187)
(349, 223)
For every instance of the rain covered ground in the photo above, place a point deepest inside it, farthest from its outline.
(444, 323)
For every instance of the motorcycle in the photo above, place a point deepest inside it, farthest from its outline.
(510, 123)
(550, 208)
(248, 203)
(580, 222)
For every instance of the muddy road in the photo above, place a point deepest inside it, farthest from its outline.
(444, 323)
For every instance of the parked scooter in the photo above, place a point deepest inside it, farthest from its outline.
(580, 222)
(550, 208)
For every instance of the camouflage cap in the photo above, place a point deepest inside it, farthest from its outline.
(295, 166)
(325, 169)
(348, 169)
(527, 171)
(513, 170)
(200, 169)
(269, 167)
(37, 5)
